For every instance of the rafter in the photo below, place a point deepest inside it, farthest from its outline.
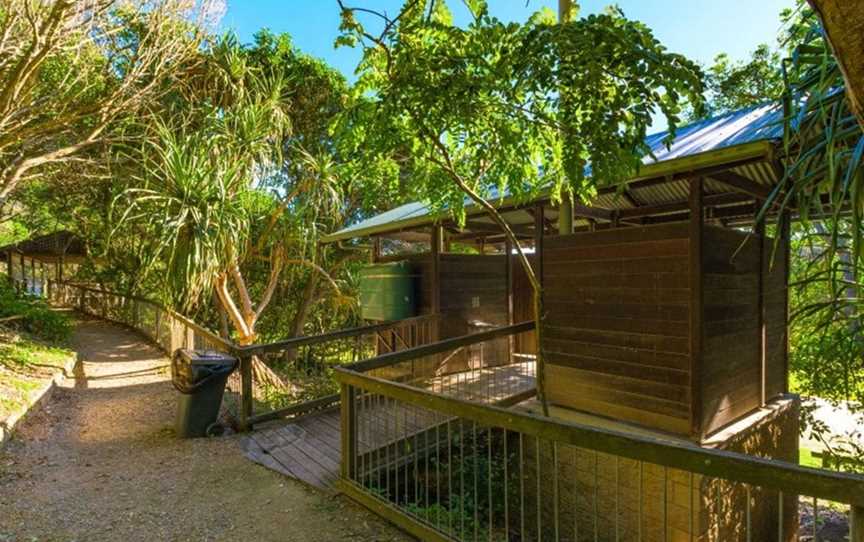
(741, 184)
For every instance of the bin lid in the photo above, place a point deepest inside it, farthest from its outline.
(203, 357)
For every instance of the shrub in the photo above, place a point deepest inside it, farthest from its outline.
(37, 316)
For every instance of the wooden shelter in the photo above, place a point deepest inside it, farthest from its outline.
(32, 262)
(666, 310)
(666, 302)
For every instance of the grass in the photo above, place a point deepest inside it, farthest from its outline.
(806, 458)
(25, 365)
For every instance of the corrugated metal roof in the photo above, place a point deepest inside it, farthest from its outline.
(753, 124)
(747, 125)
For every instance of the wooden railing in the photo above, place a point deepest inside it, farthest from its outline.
(326, 352)
(449, 468)
(168, 329)
(171, 330)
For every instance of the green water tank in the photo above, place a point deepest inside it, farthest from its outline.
(387, 291)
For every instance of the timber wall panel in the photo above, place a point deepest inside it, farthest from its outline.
(523, 308)
(473, 290)
(731, 356)
(617, 313)
(775, 318)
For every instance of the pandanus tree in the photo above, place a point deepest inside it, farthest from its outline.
(505, 108)
(198, 198)
(823, 188)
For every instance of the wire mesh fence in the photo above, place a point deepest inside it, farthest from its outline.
(449, 468)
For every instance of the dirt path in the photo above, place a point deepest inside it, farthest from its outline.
(100, 463)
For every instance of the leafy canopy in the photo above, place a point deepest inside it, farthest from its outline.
(197, 193)
(509, 107)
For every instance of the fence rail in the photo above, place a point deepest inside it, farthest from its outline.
(478, 471)
(316, 356)
(169, 329)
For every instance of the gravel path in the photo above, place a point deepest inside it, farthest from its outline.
(100, 463)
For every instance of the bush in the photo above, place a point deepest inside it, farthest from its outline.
(37, 316)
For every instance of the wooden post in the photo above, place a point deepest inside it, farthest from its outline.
(538, 241)
(856, 524)
(33, 275)
(508, 274)
(436, 269)
(565, 216)
(376, 250)
(760, 325)
(245, 393)
(348, 431)
(23, 273)
(785, 235)
(696, 299)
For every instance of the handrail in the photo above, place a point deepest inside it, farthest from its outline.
(733, 466)
(391, 358)
(307, 340)
(210, 336)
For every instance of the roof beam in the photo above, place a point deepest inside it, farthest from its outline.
(488, 228)
(628, 197)
(741, 184)
(597, 213)
(665, 208)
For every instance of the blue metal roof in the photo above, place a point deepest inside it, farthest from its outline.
(758, 123)
(747, 125)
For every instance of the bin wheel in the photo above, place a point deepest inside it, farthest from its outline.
(215, 429)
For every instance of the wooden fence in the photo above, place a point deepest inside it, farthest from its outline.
(168, 329)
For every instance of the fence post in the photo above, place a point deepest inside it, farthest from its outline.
(856, 524)
(174, 341)
(245, 393)
(348, 431)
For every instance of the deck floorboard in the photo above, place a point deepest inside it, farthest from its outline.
(308, 448)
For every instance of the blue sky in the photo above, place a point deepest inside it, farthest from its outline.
(699, 29)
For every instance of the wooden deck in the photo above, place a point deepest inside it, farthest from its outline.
(308, 448)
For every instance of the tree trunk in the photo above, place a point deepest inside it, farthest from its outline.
(843, 21)
(302, 313)
(244, 321)
(533, 279)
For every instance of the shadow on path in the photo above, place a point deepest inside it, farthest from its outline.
(100, 462)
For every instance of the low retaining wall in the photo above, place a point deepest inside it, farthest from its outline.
(36, 399)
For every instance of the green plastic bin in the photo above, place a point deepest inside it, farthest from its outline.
(200, 377)
(387, 291)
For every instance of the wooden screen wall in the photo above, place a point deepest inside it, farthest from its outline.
(617, 305)
(618, 325)
(776, 316)
(523, 308)
(733, 324)
(732, 362)
(473, 296)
